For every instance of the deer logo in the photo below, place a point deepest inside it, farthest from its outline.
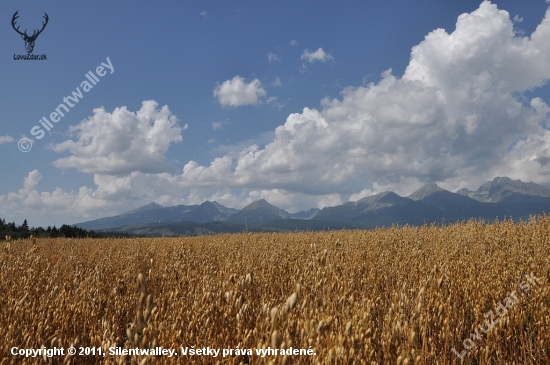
(29, 40)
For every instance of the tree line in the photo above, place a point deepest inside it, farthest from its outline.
(23, 231)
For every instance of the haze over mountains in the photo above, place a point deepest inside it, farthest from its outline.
(501, 197)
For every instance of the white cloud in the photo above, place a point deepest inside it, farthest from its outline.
(459, 115)
(111, 195)
(360, 195)
(204, 14)
(218, 125)
(452, 116)
(236, 92)
(121, 142)
(6, 139)
(211, 140)
(261, 140)
(273, 57)
(295, 43)
(275, 103)
(32, 204)
(318, 55)
(277, 82)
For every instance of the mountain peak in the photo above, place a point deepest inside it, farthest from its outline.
(425, 191)
(376, 197)
(259, 204)
(150, 206)
(503, 180)
(257, 212)
(501, 187)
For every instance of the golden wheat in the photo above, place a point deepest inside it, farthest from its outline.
(387, 296)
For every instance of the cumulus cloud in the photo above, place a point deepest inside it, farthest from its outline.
(6, 139)
(204, 14)
(273, 57)
(295, 43)
(454, 115)
(277, 82)
(28, 202)
(121, 142)
(236, 92)
(459, 116)
(319, 55)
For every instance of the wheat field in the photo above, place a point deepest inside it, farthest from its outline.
(405, 295)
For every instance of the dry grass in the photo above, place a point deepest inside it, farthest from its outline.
(386, 296)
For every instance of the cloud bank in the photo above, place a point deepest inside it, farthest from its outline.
(457, 114)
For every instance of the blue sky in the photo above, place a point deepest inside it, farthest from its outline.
(234, 79)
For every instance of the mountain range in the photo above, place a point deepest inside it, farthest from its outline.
(155, 213)
(501, 187)
(501, 197)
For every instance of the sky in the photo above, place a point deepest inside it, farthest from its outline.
(305, 104)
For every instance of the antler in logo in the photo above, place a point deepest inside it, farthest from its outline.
(29, 40)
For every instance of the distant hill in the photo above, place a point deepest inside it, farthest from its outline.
(155, 213)
(308, 225)
(458, 206)
(258, 212)
(180, 229)
(521, 206)
(201, 229)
